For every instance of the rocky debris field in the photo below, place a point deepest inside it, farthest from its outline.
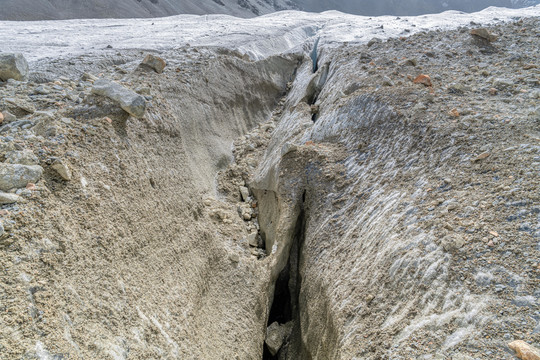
(403, 173)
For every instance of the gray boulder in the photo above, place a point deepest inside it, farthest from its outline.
(13, 66)
(24, 157)
(130, 101)
(7, 198)
(18, 176)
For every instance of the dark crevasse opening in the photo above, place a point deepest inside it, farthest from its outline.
(285, 302)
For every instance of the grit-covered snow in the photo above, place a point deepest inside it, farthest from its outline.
(258, 37)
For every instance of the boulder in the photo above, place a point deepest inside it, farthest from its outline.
(18, 176)
(524, 351)
(13, 66)
(276, 335)
(7, 198)
(154, 62)
(24, 157)
(130, 101)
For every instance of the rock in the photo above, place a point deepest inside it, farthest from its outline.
(454, 112)
(252, 240)
(387, 81)
(451, 243)
(1, 118)
(130, 101)
(42, 90)
(13, 66)
(89, 77)
(244, 191)
(410, 62)
(8, 117)
(524, 351)
(373, 42)
(483, 34)
(234, 258)
(500, 83)
(18, 176)
(62, 169)
(7, 198)
(2, 231)
(21, 104)
(276, 335)
(482, 156)
(423, 79)
(24, 157)
(154, 62)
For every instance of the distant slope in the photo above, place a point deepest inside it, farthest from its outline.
(72, 9)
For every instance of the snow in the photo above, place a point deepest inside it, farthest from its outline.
(260, 37)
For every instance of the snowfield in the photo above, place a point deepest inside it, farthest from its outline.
(258, 37)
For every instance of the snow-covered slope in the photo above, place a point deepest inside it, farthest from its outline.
(259, 38)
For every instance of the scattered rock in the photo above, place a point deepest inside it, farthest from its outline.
(13, 66)
(244, 191)
(276, 335)
(387, 81)
(252, 240)
(8, 117)
(24, 157)
(89, 77)
(483, 34)
(481, 157)
(410, 62)
(7, 198)
(234, 258)
(423, 79)
(130, 101)
(524, 351)
(62, 169)
(154, 62)
(500, 83)
(18, 176)
(21, 104)
(373, 42)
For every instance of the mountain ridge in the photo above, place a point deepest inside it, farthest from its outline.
(14, 10)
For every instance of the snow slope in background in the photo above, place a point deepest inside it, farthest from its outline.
(259, 37)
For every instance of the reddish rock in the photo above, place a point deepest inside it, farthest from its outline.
(524, 351)
(1, 118)
(423, 79)
(454, 113)
(154, 62)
